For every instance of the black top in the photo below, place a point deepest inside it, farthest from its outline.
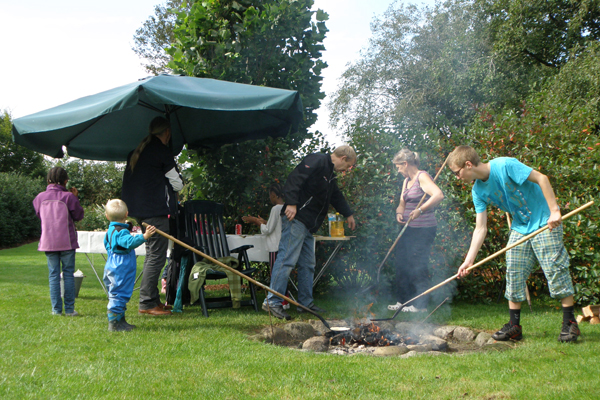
(312, 186)
(147, 191)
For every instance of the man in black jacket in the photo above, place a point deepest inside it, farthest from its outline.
(308, 191)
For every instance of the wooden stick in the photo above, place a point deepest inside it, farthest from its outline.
(496, 254)
(228, 268)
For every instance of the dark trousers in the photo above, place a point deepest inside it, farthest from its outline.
(412, 265)
(156, 256)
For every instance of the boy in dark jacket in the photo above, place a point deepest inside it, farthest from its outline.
(119, 272)
(308, 191)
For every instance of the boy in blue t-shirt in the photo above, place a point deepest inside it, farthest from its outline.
(528, 196)
(119, 272)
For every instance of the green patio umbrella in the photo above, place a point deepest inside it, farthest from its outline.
(203, 113)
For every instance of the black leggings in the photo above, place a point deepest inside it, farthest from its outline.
(412, 265)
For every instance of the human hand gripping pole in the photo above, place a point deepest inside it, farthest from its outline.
(228, 268)
(496, 254)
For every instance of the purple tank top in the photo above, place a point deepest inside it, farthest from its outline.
(411, 197)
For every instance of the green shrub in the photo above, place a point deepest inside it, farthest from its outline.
(93, 219)
(17, 214)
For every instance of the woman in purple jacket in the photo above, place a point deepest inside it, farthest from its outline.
(58, 209)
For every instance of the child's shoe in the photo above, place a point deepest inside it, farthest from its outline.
(570, 332)
(509, 332)
(116, 323)
(128, 325)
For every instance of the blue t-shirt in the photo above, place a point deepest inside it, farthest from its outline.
(508, 188)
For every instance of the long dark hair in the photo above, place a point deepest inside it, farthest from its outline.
(157, 127)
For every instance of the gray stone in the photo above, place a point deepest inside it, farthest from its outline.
(437, 344)
(390, 351)
(319, 344)
(410, 354)
(463, 334)
(482, 338)
(419, 348)
(444, 332)
(299, 330)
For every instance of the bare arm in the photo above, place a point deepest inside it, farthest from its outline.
(435, 193)
(544, 183)
(401, 206)
(476, 242)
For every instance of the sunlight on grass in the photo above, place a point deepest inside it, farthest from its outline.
(187, 355)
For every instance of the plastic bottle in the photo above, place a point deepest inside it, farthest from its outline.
(337, 226)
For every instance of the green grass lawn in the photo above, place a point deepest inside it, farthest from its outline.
(189, 356)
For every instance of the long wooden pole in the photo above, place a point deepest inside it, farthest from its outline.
(228, 268)
(496, 254)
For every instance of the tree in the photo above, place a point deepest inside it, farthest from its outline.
(156, 35)
(427, 68)
(541, 32)
(16, 158)
(272, 43)
(276, 43)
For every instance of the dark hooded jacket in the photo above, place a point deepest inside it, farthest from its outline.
(311, 187)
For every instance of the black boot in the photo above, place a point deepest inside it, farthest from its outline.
(116, 323)
(128, 325)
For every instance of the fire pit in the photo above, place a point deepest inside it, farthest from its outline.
(388, 338)
(368, 334)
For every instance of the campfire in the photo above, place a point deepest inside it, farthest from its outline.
(368, 334)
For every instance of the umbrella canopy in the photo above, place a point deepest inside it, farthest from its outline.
(203, 113)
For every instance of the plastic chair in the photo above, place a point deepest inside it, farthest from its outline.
(204, 228)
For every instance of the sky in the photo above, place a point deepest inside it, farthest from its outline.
(58, 51)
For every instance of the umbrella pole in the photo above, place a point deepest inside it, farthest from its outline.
(228, 268)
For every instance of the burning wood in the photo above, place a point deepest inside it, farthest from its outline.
(369, 335)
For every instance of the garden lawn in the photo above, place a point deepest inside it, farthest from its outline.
(189, 356)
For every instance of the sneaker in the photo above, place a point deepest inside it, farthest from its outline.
(314, 308)
(56, 313)
(410, 309)
(395, 307)
(277, 311)
(72, 314)
(509, 332)
(569, 332)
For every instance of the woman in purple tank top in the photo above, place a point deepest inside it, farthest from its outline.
(414, 247)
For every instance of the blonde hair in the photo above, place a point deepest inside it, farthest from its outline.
(157, 127)
(345, 151)
(406, 155)
(461, 155)
(116, 210)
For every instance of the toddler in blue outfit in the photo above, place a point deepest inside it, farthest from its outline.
(119, 272)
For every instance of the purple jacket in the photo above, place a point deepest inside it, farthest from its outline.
(58, 209)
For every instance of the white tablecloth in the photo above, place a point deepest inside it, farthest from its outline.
(93, 243)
